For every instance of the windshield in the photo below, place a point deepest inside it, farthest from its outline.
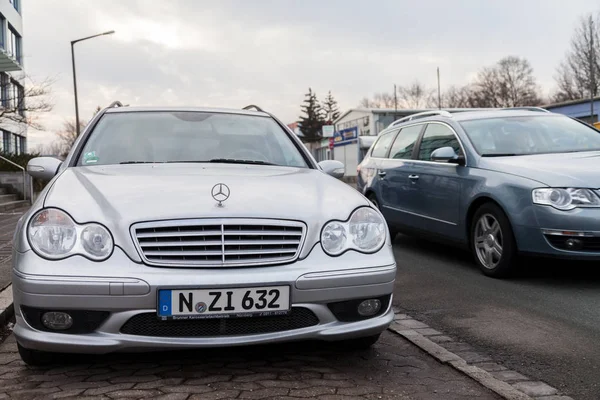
(530, 135)
(158, 137)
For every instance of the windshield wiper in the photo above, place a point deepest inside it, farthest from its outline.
(236, 161)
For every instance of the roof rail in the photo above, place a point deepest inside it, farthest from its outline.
(421, 115)
(540, 109)
(115, 104)
(251, 106)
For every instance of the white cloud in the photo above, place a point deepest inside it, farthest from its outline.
(233, 52)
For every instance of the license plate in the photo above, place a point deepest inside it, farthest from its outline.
(219, 303)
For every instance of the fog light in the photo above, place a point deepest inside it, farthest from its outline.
(369, 307)
(573, 244)
(57, 320)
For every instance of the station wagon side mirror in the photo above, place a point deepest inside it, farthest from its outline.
(333, 168)
(43, 168)
(447, 154)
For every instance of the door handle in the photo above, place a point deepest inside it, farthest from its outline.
(413, 177)
(381, 173)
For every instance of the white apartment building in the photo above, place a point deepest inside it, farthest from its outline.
(13, 136)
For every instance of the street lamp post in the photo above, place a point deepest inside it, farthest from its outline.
(75, 76)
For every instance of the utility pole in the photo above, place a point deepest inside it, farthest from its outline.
(395, 102)
(439, 89)
(592, 70)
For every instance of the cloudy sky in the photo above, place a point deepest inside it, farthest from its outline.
(268, 52)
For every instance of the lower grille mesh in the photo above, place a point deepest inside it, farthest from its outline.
(148, 324)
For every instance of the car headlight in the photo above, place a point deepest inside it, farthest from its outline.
(566, 199)
(53, 234)
(364, 231)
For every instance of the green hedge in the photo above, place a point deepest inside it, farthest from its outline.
(22, 160)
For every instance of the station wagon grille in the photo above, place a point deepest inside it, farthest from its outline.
(216, 243)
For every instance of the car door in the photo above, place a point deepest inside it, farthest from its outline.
(373, 170)
(437, 198)
(397, 182)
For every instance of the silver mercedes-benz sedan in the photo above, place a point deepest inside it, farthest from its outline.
(182, 228)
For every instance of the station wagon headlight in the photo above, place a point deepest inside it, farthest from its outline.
(53, 234)
(364, 231)
(566, 199)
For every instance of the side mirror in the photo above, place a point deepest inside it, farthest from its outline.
(43, 168)
(333, 168)
(447, 154)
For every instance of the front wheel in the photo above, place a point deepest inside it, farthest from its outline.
(362, 343)
(36, 357)
(492, 241)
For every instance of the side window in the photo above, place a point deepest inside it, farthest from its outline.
(405, 142)
(383, 144)
(436, 136)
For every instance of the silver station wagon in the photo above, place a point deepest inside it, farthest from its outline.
(183, 228)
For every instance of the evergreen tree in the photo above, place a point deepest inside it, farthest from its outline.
(312, 121)
(330, 109)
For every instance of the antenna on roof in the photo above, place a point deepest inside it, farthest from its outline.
(251, 106)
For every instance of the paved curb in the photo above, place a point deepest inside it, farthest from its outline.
(7, 309)
(508, 384)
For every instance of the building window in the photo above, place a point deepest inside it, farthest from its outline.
(20, 99)
(16, 4)
(2, 31)
(6, 142)
(13, 44)
(23, 146)
(4, 86)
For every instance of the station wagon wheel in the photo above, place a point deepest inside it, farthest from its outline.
(488, 241)
(492, 241)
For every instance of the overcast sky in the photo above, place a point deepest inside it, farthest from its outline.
(233, 53)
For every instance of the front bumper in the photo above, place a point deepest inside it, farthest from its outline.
(531, 239)
(125, 289)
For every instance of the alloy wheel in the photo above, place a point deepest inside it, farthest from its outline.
(488, 241)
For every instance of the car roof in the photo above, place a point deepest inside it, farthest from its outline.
(466, 115)
(470, 115)
(128, 109)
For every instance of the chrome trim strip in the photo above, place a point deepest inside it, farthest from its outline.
(421, 215)
(223, 223)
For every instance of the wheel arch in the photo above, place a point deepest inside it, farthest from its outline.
(474, 206)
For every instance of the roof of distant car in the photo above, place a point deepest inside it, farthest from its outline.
(186, 109)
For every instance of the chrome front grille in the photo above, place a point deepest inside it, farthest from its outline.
(217, 243)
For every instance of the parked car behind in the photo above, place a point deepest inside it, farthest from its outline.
(501, 182)
(171, 228)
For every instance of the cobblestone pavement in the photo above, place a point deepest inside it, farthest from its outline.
(393, 369)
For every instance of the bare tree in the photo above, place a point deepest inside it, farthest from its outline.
(457, 97)
(509, 83)
(68, 135)
(380, 100)
(578, 75)
(24, 105)
(415, 96)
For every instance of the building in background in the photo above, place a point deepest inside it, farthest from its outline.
(13, 135)
(354, 133)
(580, 109)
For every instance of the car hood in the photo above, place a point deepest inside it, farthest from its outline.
(557, 170)
(121, 195)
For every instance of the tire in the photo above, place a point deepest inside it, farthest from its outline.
(393, 232)
(362, 343)
(36, 357)
(493, 242)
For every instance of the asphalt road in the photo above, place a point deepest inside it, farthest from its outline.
(544, 322)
